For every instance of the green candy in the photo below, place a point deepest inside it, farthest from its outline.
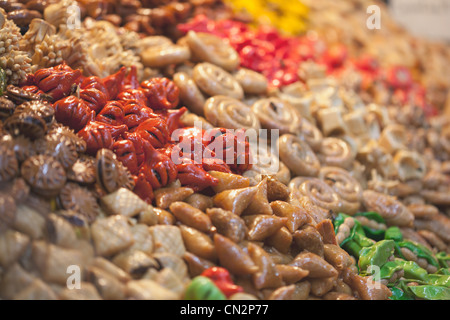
(399, 294)
(357, 238)
(411, 269)
(438, 280)
(372, 216)
(376, 234)
(443, 259)
(393, 233)
(419, 250)
(430, 292)
(375, 255)
(202, 288)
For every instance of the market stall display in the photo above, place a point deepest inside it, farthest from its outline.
(315, 174)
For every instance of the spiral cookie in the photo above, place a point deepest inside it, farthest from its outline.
(298, 156)
(207, 47)
(227, 112)
(251, 81)
(392, 210)
(164, 55)
(347, 188)
(190, 94)
(317, 191)
(214, 80)
(266, 162)
(45, 175)
(311, 134)
(335, 152)
(274, 113)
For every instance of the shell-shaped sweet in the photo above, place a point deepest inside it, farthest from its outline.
(45, 175)
(77, 198)
(40, 108)
(110, 172)
(82, 171)
(7, 107)
(65, 133)
(29, 125)
(61, 149)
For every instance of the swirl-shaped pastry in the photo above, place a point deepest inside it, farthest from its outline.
(227, 112)
(163, 55)
(274, 113)
(311, 134)
(210, 48)
(251, 81)
(347, 188)
(190, 94)
(298, 156)
(392, 210)
(214, 81)
(335, 152)
(317, 191)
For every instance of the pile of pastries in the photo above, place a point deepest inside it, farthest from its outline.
(98, 199)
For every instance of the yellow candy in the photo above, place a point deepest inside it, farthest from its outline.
(288, 16)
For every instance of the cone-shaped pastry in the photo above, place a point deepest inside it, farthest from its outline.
(259, 203)
(291, 274)
(166, 196)
(308, 238)
(296, 215)
(317, 266)
(228, 224)
(196, 265)
(200, 201)
(235, 200)
(229, 181)
(326, 230)
(280, 240)
(233, 257)
(262, 226)
(268, 275)
(198, 243)
(276, 190)
(191, 216)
